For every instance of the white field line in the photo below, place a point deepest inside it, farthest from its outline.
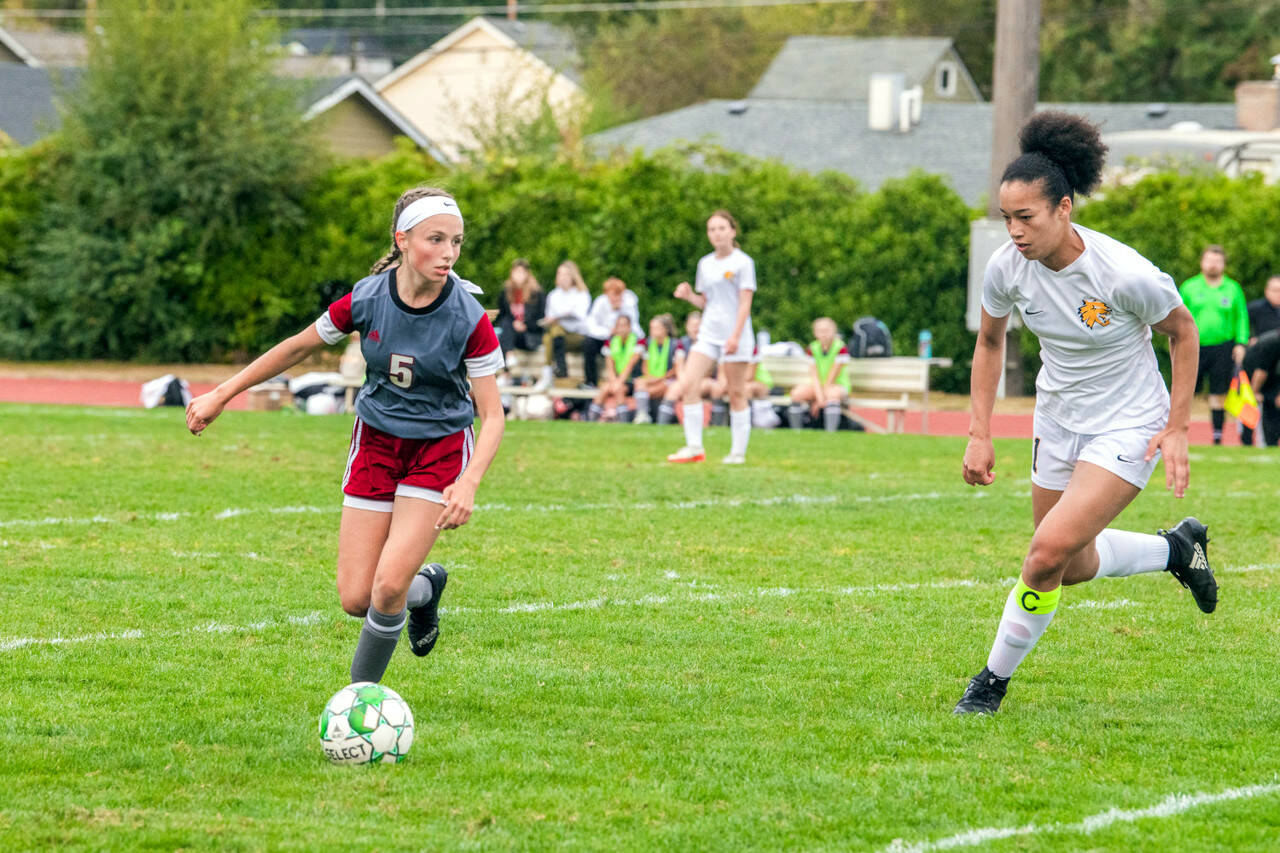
(598, 603)
(642, 506)
(136, 634)
(1174, 804)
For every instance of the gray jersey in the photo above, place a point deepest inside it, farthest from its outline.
(417, 359)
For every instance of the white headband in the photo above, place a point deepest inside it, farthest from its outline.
(425, 208)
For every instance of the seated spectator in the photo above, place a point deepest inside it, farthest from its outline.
(565, 319)
(828, 384)
(616, 299)
(520, 310)
(658, 367)
(622, 366)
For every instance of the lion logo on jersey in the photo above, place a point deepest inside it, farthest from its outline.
(1094, 312)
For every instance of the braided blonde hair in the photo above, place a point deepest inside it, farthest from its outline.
(407, 198)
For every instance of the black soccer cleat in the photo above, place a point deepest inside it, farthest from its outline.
(983, 695)
(424, 621)
(1189, 561)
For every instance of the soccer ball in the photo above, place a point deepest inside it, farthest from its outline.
(366, 722)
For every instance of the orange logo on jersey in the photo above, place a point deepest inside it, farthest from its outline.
(1094, 313)
(728, 275)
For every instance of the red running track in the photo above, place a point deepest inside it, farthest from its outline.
(95, 392)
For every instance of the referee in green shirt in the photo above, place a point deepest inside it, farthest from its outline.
(1217, 304)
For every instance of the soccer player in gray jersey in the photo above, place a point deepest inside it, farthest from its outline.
(414, 462)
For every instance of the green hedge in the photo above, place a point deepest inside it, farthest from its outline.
(821, 246)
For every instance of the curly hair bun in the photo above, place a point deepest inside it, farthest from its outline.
(1073, 143)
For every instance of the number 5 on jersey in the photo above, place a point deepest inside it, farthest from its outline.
(401, 372)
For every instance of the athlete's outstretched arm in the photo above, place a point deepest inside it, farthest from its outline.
(1184, 357)
(460, 497)
(988, 360)
(203, 409)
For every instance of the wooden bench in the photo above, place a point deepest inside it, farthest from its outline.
(890, 380)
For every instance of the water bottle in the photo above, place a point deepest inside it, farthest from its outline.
(926, 343)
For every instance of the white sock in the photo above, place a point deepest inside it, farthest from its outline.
(1122, 553)
(693, 424)
(739, 431)
(1019, 629)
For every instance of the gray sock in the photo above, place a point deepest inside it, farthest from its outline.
(666, 412)
(419, 591)
(831, 417)
(378, 640)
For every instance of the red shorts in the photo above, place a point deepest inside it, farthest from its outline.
(381, 466)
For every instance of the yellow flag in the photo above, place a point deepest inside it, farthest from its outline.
(1240, 402)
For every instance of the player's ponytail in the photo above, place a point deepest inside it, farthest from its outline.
(1063, 150)
(407, 198)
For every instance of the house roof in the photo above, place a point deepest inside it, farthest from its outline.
(952, 139)
(326, 94)
(27, 100)
(40, 48)
(839, 68)
(550, 45)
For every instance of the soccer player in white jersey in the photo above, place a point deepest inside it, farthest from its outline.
(723, 289)
(1102, 415)
(414, 463)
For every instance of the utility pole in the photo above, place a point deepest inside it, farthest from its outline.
(1016, 84)
(1014, 92)
(511, 9)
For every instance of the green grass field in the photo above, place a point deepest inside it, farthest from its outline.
(633, 656)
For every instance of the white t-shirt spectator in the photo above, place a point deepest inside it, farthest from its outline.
(569, 308)
(721, 279)
(1094, 320)
(603, 316)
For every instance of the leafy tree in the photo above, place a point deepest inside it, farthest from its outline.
(177, 141)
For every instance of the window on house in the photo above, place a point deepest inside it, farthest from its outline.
(944, 79)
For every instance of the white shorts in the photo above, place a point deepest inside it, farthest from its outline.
(1055, 450)
(715, 352)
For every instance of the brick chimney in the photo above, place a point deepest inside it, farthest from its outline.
(1258, 102)
(1258, 105)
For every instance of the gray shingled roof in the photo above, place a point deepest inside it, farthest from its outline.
(953, 140)
(27, 108)
(551, 44)
(839, 68)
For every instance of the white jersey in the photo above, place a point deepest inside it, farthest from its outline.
(721, 279)
(1094, 320)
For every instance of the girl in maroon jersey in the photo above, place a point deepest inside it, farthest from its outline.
(414, 463)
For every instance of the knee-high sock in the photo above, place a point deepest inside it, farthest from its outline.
(1027, 613)
(739, 431)
(693, 424)
(1219, 417)
(666, 412)
(642, 400)
(1122, 553)
(378, 640)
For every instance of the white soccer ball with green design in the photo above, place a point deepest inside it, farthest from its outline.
(366, 722)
